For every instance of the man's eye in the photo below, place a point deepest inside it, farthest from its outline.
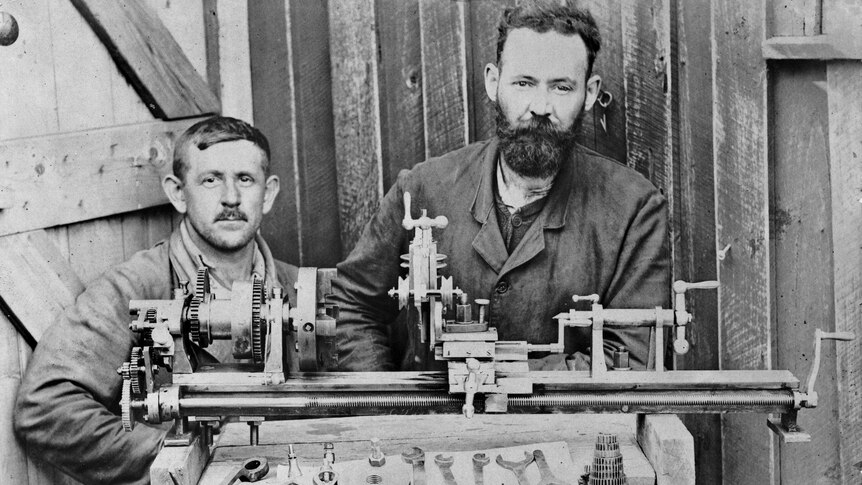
(522, 84)
(563, 88)
(246, 180)
(210, 181)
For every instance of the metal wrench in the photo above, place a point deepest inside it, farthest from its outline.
(251, 470)
(416, 457)
(517, 467)
(479, 462)
(444, 463)
(548, 478)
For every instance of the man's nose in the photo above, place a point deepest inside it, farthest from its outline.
(540, 104)
(230, 194)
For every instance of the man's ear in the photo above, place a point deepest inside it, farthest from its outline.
(173, 188)
(594, 87)
(273, 185)
(492, 81)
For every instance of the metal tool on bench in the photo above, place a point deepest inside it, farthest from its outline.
(480, 461)
(517, 467)
(416, 457)
(251, 470)
(287, 344)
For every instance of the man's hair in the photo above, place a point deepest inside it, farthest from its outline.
(561, 16)
(211, 131)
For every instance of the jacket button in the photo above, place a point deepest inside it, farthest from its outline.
(502, 287)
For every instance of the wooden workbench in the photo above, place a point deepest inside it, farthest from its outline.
(655, 448)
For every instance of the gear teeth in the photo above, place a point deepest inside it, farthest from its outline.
(135, 370)
(202, 289)
(258, 328)
(126, 406)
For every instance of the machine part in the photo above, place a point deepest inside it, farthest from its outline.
(607, 468)
(135, 362)
(376, 458)
(253, 428)
(326, 477)
(199, 333)
(258, 325)
(480, 461)
(251, 470)
(819, 336)
(483, 308)
(293, 469)
(416, 457)
(126, 406)
(548, 477)
(328, 455)
(471, 385)
(517, 467)
(621, 358)
(444, 463)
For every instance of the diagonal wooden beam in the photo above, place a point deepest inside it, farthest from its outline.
(150, 58)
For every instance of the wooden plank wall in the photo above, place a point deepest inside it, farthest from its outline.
(59, 80)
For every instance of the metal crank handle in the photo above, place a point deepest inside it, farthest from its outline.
(424, 222)
(810, 399)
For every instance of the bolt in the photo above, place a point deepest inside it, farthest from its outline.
(376, 458)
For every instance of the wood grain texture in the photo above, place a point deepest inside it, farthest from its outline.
(13, 456)
(234, 60)
(484, 18)
(793, 17)
(844, 83)
(211, 44)
(355, 89)
(694, 220)
(741, 187)
(36, 283)
(273, 94)
(443, 31)
(90, 174)
(28, 99)
(841, 17)
(668, 446)
(402, 122)
(609, 140)
(801, 231)
(317, 190)
(646, 68)
(819, 47)
(150, 58)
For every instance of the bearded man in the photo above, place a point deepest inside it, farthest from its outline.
(534, 218)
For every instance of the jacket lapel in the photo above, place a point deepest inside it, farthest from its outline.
(488, 242)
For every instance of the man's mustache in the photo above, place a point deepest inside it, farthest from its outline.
(231, 214)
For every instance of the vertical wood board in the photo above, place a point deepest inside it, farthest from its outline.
(484, 19)
(610, 139)
(843, 17)
(694, 224)
(317, 190)
(741, 187)
(355, 91)
(234, 60)
(793, 17)
(13, 458)
(646, 68)
(274, 114)
(844, 83)
(28, 99)
(800, 232)
(444, 75)
(402, 122)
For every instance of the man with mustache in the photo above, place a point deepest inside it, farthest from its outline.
(534, 218)
(67, 410)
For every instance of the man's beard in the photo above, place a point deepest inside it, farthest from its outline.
(538, 149)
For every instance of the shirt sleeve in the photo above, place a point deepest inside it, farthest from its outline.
(642, 276)
(68, 403)
(365, 309)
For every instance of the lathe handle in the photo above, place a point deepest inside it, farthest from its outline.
(423, 222)
(819, 336)
(680, 286)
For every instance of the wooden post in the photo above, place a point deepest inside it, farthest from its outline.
(741, 186)
(668, 446)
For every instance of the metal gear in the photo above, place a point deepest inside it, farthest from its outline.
(135, 370)
(126, 406)
(202, 289)
(258, 326)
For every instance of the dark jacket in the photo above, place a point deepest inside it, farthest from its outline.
(602, 230)
(67, 412)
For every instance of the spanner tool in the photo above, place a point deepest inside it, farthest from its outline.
(416, 457)
(517, 467)
(444, 463)
(548, 478)
(479, 462)
(251, 470)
